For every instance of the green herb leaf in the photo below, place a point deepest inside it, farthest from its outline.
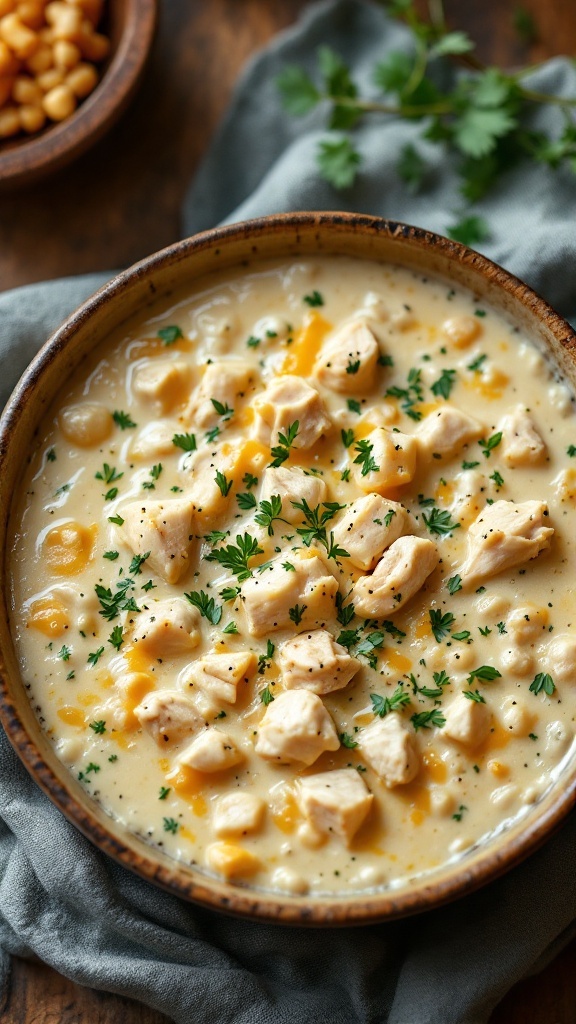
(116, 637)
(95, 656)
(426, 719)
(246, 501)
(443, 386)
(266, 696)
(298, 92)
(542, 682)
(187, 442)
(123, 420)
(338, 161)
(440, 522)
(382, 706)
(471, 230)
(440, 623)
(223, 483)
(454, 584)
(286, 440)
(236, 557)
(489, 445)
(98, 727)
(206, 606)
(484, 674)
(170, 334)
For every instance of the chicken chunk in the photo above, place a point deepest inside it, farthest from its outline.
(521, 443)
(167, 628)
(211, 751)
(335, 802)
(271, 595)
(220, 675)
(237, 813)
(208, 498)
(163, 383)
(446, 431)
(505, 535)
(314, 661)
(369, 526)
(288, 399)
(225, 381)
(292, 485)
(347, 361)
(385, 459)
(389, 747)
(164, 530)
(154, 439)
(467, 721)
(527, 623)
(296, 727)
(398, 576)
(562, 655)
(169, 717)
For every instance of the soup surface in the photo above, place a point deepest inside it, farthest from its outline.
(292, 575)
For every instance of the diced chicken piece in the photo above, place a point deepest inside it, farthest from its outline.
(271, 595)
(369, 526)
(521, 443)
(231, 861)
(383, 460)
(296, 727)
(164, 529)
(467, 721)
(347, 361)
(562, 655)
(467, 498)
(446, 431)
(220, 675)
(288, 399)
(399, 574)
(163, 383)
(314, 661)
(237, 813)
(225, 381)
(169, 717)
(527, 623)
(292, 485)
(167, 628)
(505, 535)
(389, 747)
(335, 802)
(154, 439)
(208, 498)
(211, 751)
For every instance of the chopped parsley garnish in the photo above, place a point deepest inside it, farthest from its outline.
(501, 627)
(464, 634)
(64, 653)
(497, 478)
(426, 719)
(489, 445)
(484, 674)
(206, 606)
(112, 758)
(71, 675)
(353, 366)
(296, 613)
(364, 457)
(123, 420)
(457, 816)
(544, 682)
(91, 767)
(264, 659)
(373, 642)
(246, 501)
(571, 450)
(223, 483)
(269, 512)
(51, 455)
(98, 727)
(170, 334)
(440, 522)
(212, 434)
(345, 475)
(470, 465)
(347, 741)
(476, 364)
(149, 485)
(440, 678)
(108, 474)
(314, 299)
(230, 628)
(443, 386)
(347, 437)
(485, 631)
(410, 395)
(316, 526)
(474, 695)
(223, 410)
(117, 520)
(135, 565)
(440, 623)
(164, 790)
(116, 637)
(454, 584)
(149, 586)
(187, 442)
(385, 360)
(353, 405)
(382, 706)
(111, 555)
(95, 656)
(393, 630)
(288, 566)
(281, 451)
(236, 557)
(215, 536)
(253, 341)
(389, 517)
(344, 612)
(266, 696)
(171, 825)
(229, 593)
(249, 480)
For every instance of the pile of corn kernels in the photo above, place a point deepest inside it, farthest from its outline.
(48, 52)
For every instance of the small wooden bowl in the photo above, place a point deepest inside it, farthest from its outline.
(130, 25)
(288, 236)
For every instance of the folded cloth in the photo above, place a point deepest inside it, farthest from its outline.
(61, 899)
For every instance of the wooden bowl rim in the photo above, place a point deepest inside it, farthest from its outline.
(31, 158)
(178, 878)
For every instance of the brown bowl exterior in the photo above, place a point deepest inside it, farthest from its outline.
(241, 244)
(130, 25)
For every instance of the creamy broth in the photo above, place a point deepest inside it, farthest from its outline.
(330, 450)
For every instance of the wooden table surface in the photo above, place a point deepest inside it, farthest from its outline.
(120, 202)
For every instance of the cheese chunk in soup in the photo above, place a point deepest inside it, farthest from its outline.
(292, 575)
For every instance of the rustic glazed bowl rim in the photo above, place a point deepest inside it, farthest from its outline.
(455, 880)
(32, 157)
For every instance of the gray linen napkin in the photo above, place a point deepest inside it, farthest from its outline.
(102, 926)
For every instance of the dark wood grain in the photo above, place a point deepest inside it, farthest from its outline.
(121, 202)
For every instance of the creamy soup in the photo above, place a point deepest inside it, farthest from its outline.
(291, 575)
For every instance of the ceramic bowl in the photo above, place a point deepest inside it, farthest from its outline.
(130, 25)
(281, 236)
